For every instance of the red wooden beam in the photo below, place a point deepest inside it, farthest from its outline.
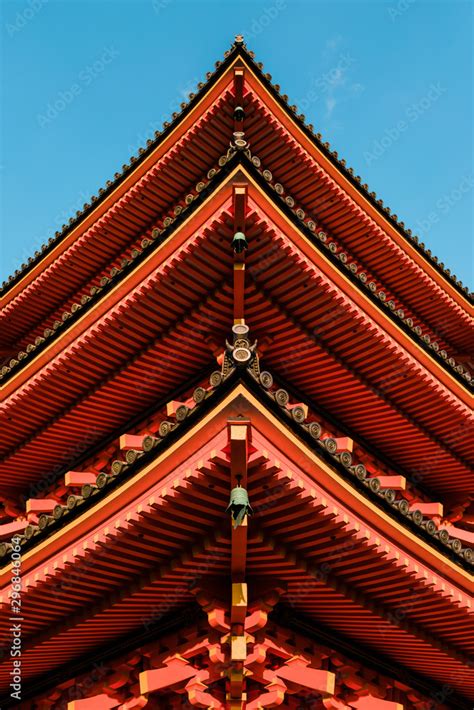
(239, 292)
(9, 529)
(239, 440)
(74, 479)
(97, 702)
(369, 702)
(239, 204)
(398, 483)
(40, 505)
(430, 510)
(130, 441)
(343, 443)
(239, 77)
(175, 671)
(296, 670)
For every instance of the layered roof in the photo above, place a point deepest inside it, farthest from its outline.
(143, 530)
(315, 337)
(181, 155)
(238, 48)
(115, 450)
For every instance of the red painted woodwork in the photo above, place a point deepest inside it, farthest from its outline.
(319, 379)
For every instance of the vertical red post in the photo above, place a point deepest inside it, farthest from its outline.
(239, 441)
(239, 208)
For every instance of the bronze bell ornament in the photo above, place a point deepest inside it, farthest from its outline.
(239, 242)
(239, 505)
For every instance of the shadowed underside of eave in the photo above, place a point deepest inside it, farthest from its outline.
(306, 336)
(291, 534)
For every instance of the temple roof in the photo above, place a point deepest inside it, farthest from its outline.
(313, 340)
(277, 400)
(158, 515)
(237, 48)
(345, 261)
(236, 307)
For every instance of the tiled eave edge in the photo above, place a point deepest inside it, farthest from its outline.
(214, 177)
(239, 48)
(344, 262)
(310, 432)
(348, 172)
(119, 177)
(169, 224)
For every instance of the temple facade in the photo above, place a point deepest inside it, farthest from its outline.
(236, 439)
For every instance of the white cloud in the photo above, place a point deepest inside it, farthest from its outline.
(330, 105)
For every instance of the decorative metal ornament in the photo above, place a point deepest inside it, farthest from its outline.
(241, 355)
(181, 413)
(374, 484)
(215, 379)
(148, 442)
(131, 456)
(331, 445)
(404, 507)
(360, 471)
(239, 505)
(443, 535)
(102, 480)
(86, 490)
(164, 428)
(117, 467)
(282, 397)
(240, 330)
(199, 394)
(266, 379)
(239, 113)
(429, 526)
(315, 430)
(298, 414)
(239, 143)
(72, 501)
(239, 243)
(43, 521)
(29, 532)
(346, 459)
(456, 545)
(58, 511)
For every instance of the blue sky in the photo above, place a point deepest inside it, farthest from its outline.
(388, 84)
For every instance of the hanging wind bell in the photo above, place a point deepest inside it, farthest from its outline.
(239, 505)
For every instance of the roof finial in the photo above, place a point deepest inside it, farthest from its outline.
(239, 39)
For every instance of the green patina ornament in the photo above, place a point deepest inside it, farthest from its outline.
(239, 505)
(239, 242)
